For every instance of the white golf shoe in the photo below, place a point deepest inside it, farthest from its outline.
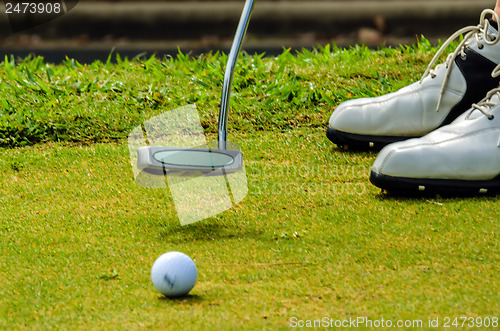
(462, 157)
(442, 94)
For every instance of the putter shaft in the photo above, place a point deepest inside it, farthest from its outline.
(229, 73)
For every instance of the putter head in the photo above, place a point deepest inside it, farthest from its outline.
(188, 162)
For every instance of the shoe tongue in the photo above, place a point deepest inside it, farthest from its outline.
(492, 28)
(495, 99)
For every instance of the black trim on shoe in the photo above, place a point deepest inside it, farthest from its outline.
(477, 72)
(493, 23)
(359, 141)
(435, 186)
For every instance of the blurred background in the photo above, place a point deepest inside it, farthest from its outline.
(92, 28)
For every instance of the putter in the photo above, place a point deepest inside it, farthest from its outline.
(160, 160)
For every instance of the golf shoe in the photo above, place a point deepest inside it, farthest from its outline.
(444, 92)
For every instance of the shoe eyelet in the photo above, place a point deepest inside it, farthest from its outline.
(481, 46)
(464, 58)
(491, 118)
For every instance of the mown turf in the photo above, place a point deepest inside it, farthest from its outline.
(312, 239)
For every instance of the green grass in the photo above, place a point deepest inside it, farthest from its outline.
(102, 102)
(312, 239)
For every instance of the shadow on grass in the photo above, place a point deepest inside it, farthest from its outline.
(208, 231)
(403, 195)
(353, 151)
(187, 299)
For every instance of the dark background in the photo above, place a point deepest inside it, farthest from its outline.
(93, 28)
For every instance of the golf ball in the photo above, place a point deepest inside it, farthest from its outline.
(174, 274)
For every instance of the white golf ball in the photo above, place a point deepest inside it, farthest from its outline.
(174, 274)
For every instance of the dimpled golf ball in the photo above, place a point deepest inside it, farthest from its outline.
(174, 274)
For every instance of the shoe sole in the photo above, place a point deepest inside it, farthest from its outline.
(435, 186)
(358, 141)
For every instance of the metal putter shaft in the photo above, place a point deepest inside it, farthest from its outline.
(159, 160)
(229, 74)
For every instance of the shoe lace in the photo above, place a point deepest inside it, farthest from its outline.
(479, 32)
(484, 106)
